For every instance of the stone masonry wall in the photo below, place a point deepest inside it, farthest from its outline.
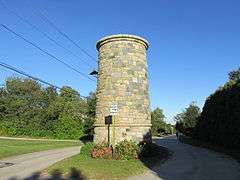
(123, 80)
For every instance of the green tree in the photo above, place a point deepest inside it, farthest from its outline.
(3, 106)
(220, 119)
(169, 129)
(187, 119)
(234, 75)
(28, 109)
(158, 123)
(70, 111)
(25, 103)
(91, 111)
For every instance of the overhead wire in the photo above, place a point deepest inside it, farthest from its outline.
(46, 52)
(54, 26)
(7, 66)
(44, 34)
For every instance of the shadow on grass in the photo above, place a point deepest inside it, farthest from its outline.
(56, 175)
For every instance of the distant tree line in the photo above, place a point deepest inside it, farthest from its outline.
(29, 109)
(159, 125)
(187, 119)
(219, 121)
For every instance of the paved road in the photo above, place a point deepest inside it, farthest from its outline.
(27, 164)
(192, 163)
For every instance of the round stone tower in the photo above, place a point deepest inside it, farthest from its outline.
(123, 89)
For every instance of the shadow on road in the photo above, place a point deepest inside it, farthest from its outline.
(192, 162)
(156, 156)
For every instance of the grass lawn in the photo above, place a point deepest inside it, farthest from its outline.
(10, 147)
(99, 168)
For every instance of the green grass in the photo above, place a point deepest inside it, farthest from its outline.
(16, 147)
(99, 168)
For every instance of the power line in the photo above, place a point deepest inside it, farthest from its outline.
(44, 34)
(34, 78)
(46, 20)
(47, 53)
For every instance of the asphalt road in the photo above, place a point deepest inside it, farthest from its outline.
(192, 163)
(27, 164)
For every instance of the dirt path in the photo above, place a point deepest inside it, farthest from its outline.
(27, 164)
(192, 163)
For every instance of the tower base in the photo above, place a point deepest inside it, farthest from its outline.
(135, 132)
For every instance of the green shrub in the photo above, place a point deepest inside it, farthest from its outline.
(220, 119)
(87, 149)
(68, 127)
(126, 150)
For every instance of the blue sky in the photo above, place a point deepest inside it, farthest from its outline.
(193, 44)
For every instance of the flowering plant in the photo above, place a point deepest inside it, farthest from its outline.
(102, 151)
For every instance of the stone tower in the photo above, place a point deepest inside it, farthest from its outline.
(123, 82)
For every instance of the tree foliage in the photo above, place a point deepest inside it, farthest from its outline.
(187, 120)
(220, 119)
(234, 75)
(28, 109)
(159, 126)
